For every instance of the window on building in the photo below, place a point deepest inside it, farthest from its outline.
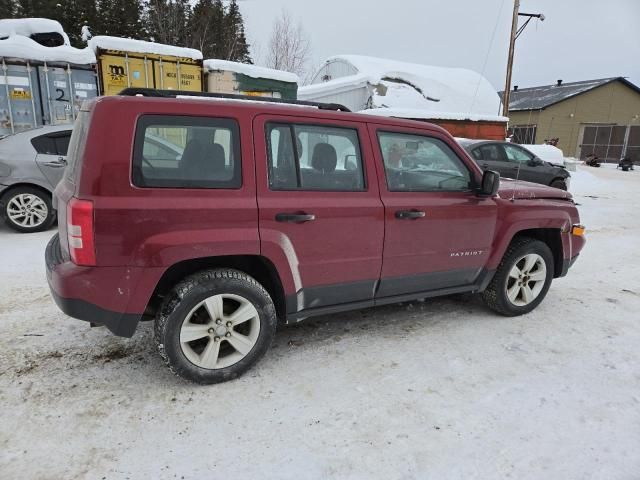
(525, 134)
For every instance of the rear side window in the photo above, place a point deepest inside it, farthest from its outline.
(187, 152)
(52, 144)
(44, 145)
(62, 143)
(313, 157)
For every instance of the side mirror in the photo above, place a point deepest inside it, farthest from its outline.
(490, 184)
(535, 162)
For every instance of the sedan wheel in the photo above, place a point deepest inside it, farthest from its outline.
(28, 209)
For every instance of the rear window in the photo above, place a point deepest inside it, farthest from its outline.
(186, 152)
(76, 145)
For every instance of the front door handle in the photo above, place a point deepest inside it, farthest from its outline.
(294, 217)
(410, 214)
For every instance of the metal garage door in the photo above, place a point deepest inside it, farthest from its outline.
(604, 141)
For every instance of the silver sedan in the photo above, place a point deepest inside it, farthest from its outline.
(31, 165)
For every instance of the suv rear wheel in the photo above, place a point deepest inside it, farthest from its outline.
(27, 209)
(215, 325)
(522, 279)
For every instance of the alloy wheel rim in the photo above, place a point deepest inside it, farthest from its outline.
(220, 331)
(27, 210)
(526, 279)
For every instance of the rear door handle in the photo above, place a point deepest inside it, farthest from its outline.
(410, 214)
(294, 217)
(55, 164)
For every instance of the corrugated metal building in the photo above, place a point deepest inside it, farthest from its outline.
(600, 117)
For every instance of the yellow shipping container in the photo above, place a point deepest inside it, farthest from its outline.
(119, 69)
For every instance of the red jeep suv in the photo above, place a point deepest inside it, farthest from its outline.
(221, 217)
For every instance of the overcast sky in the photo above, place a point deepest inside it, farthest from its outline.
(579, 40)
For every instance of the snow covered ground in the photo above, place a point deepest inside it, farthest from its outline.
(436, 389)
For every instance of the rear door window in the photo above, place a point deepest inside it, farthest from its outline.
(44, 145)
(489, 153)
(52, 143)
(314, 157)
(187, 152)
(62, 143)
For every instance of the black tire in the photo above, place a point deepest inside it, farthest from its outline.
(42, 195)
(495, 296)
(559, 183)
(189, 293)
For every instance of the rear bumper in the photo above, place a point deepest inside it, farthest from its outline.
(100, 295)
(120, 324)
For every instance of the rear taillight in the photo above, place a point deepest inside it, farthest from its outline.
(80, 232)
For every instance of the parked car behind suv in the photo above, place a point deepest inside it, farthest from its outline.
(514, 161)
(274, 213)
(31, 165)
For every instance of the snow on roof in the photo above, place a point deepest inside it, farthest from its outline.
(29, 26)
(337, 85)
(250, 70)
(418, 91)
(140, 46)
(23, 48)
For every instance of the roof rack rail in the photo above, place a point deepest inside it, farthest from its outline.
(151, 92)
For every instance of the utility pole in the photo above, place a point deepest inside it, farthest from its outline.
(515, 33)
(512, 45)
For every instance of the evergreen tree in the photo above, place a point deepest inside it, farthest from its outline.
(7, 8)
(207, 28)
(236, 47)
(74, 15)
(119, 18)
(38, 8)
(169, 21)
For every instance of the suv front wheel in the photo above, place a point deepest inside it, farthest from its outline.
(215, 325)
(522, 279)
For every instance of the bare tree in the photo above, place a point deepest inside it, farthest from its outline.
(289, 46)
